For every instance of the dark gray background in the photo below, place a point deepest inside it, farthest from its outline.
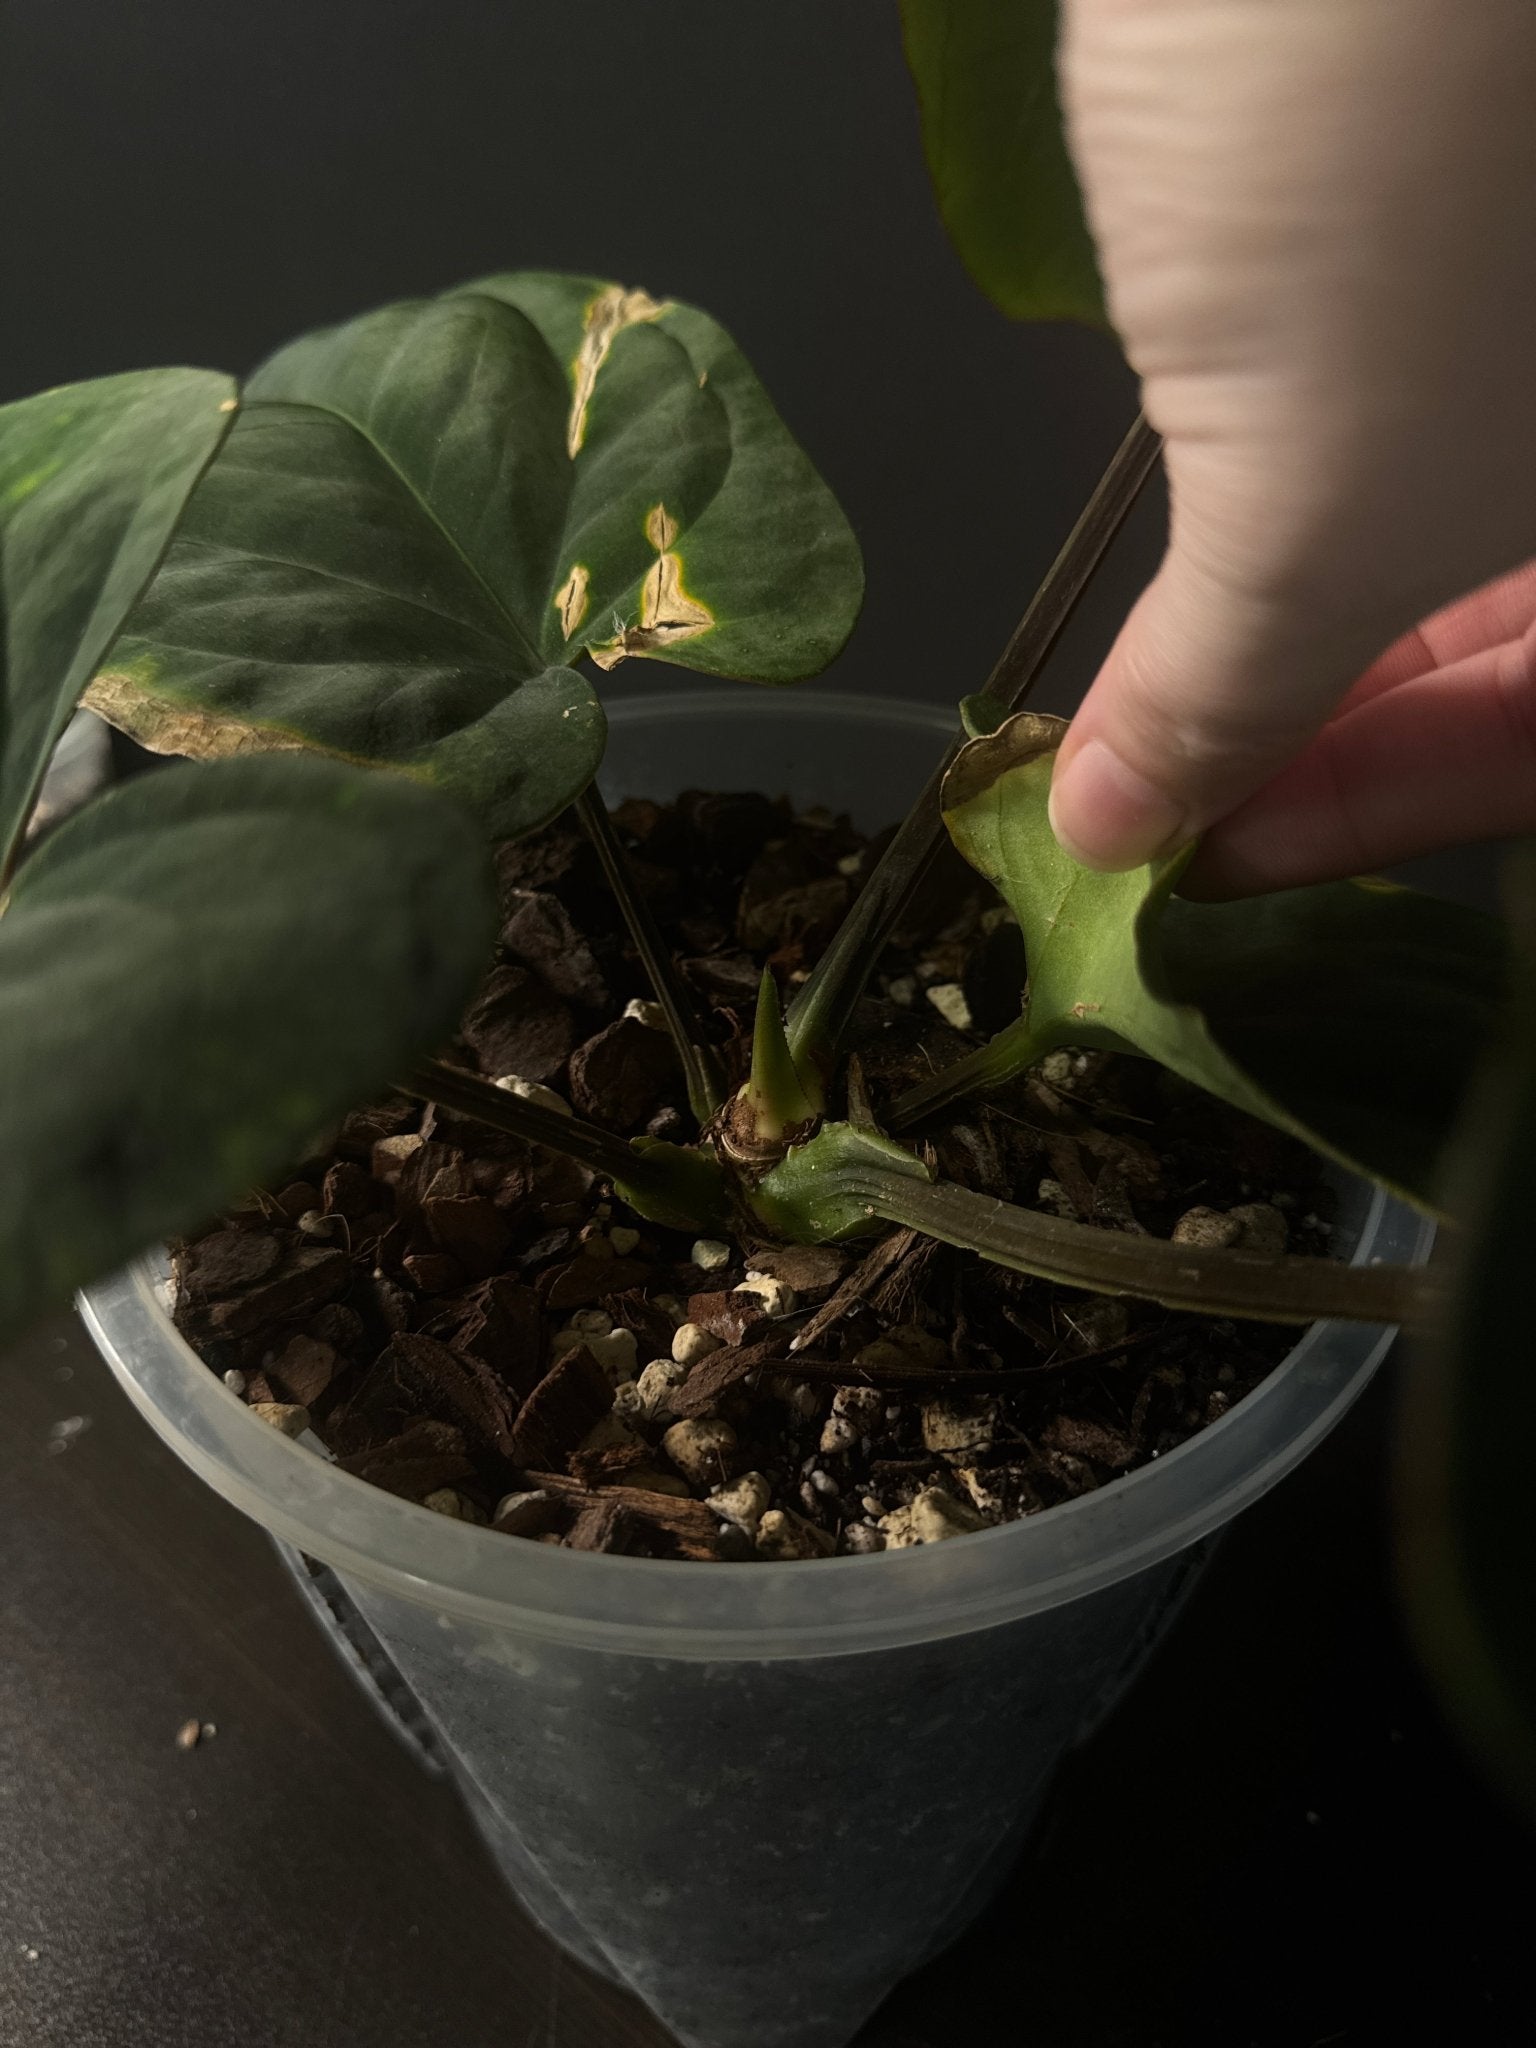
(1273, 1844)
(193, 181)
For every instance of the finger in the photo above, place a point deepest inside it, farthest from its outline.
(1206, 694)
(1489, 617)
(1443, 760)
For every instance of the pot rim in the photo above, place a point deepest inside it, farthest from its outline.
(675, 1608)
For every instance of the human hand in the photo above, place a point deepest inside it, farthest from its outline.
(1317, 220)
(1434, 746)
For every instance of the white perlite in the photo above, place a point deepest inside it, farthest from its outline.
(651, 1015)
(614, 1350)
(657, 1384)
(856, 1413)
(1054, 1197)
(785, 1537)
(1251, 1227)
(536, 1092)
(690, 1343)
(948, 998)
(1207, 1229)
(838, 1434)
(594, 1322)
(985, 1497)
(777, 1296)
(390, 1154)
(447, 1500)
(954, 1426)
(611, 1432)
(520, 1513)
(286, 1416)
(933, 1517)
(1264, 1227)
(710, 1254)
(616, 1354)
(742, 1503)
(628, 1402)
(906, 1344)
(700, 1449)
(863, 1406)
(1061, 1069)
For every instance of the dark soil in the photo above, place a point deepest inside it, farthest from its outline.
(480, 1325)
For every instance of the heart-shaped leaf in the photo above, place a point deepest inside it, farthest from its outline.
(93, 478)
(697, 529)
(992, 132)
(1466, 1507)
(425, 515)
(198, 973)
(1348, 1014)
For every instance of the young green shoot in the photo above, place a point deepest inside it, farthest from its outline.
(779, 1099)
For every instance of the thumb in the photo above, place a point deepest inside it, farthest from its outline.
(1208, 691)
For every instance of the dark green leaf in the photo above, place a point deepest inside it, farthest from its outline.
(992, 132)
(197, 974)
(1467, 1519)
(1349, 1014)
(92, 480)
(760, 575)
(1358, 1008)
(427, 514)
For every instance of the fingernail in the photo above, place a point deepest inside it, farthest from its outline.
(1106, 815)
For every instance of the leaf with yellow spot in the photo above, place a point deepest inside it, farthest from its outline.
(759, 575)
(668, 612)
(426, 516)
(571, 598)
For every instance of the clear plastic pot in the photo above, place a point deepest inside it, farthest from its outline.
(760, 1794)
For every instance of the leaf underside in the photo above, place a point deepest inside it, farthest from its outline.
(92, 480)
(997, 154)
(427, 515)
(197, 974)
(1349, 1014)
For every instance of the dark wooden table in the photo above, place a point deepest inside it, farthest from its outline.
(1273, 1845)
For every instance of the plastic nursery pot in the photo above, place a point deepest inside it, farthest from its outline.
(760, 1794)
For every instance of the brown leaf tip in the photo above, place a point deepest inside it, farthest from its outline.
(983, 762)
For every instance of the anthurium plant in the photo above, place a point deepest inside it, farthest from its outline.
(368, 595)
(405, 548)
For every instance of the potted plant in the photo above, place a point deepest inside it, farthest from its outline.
(356, 595)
